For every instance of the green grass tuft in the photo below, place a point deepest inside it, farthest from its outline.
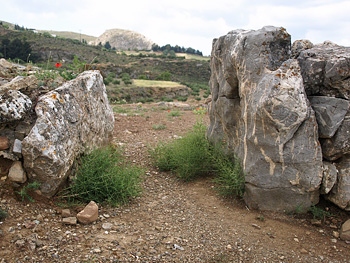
(104, 176)
(188, 156)
(193, 156)
(174, 113)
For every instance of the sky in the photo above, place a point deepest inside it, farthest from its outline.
(190, 23)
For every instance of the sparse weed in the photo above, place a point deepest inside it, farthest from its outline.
(220, 258)
(319, 213)
(45, 75)
(3, 214)
(120, 110)
(260, 218)
(24, 191)
(200, 111)
(158, 127)
(174, 113)
(299, 209)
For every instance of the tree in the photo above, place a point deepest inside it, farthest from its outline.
(155, 47)
(107, 45)
(190, 50)
(172, 54)
(15, 49)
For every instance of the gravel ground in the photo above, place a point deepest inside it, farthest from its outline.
(171, 221)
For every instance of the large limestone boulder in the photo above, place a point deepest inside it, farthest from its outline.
(72, 119)
(261, 111)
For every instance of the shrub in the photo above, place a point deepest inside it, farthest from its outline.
(167, 99)
(104, 176)
(180, 98)
(125, 77)
(166, 76)
(116, 82)
(127, 82)
(106, 81)
(142, 77)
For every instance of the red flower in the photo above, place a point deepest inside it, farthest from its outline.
(58, 65)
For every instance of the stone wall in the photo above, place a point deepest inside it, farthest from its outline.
(282, 110)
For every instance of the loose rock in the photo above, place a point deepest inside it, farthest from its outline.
(89, 214)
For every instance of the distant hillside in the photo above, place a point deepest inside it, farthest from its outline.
(46, 50)
(71, 35)
(121, 39)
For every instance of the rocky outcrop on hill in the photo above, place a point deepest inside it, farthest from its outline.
(283, 111)
(124, 40)
(67, 121)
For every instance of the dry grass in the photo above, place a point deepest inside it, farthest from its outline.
(155, 83)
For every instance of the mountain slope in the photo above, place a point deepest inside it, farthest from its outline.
(121, 39)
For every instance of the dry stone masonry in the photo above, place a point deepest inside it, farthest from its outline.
(44, 130)
(283, 110)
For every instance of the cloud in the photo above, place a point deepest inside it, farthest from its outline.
(186, 23)
(316, 21)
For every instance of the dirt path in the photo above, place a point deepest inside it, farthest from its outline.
(171, 221)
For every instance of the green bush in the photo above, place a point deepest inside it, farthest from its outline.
(180, 98)
(164, 76)
(126, 78)
(142, 77)
(116, 82)
(104, 176)
(167, 99)
(193, 155)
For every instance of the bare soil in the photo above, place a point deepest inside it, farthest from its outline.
(171, 221)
